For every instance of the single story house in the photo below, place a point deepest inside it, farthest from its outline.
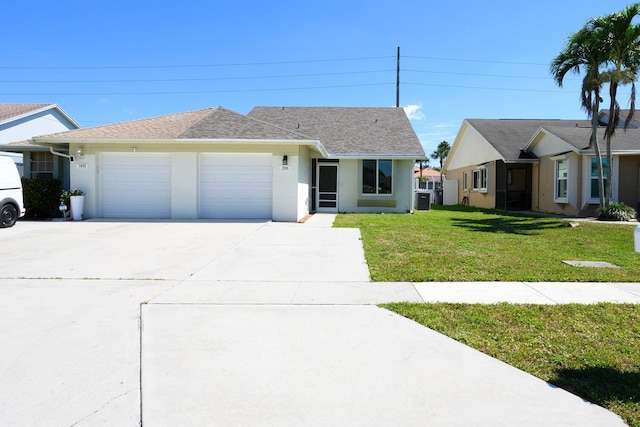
(540, 165)
(276, 162)
(19, 123)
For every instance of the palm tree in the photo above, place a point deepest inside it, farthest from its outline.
(621, 40)
(583, 52)
(441, 154)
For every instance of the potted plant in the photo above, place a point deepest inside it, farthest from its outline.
(75, 199)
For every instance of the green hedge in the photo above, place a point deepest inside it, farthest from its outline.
(41, 197)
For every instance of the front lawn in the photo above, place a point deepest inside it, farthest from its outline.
(454, 243)
(591, 350)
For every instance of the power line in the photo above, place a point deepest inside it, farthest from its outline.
(199, 79)
(475, 60)
(485, 88)
(144, 67)
(197, 91)
(480, 74)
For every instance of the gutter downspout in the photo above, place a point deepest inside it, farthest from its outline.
(67, 156)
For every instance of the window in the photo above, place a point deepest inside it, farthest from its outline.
(480, 180)
(41, 164)
(595, 191)
(464, 181)
(376, 176)
(562, 180)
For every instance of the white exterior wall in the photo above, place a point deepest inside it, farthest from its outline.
(304, 182)
(184, 185)
(290, 190)
(350, 184)
(43, 123)
(470, 148)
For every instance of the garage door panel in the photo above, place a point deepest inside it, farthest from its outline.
(136, 185)
(235, 186)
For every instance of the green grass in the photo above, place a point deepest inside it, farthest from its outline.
(468, 244)
(591, 350)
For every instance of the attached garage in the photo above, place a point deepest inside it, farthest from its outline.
(235, 185)
(135, 185)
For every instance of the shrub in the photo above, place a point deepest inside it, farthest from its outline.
(616, 212)
(41, 197)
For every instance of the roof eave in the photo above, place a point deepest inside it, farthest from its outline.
(391, 156)
(40, 110)
(62, 141)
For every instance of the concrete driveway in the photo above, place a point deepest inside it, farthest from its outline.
(234, 323)
(229, 250)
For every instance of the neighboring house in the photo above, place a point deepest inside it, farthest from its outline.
(428, 178)
(20, 122)
(278, 163)
(541, 165)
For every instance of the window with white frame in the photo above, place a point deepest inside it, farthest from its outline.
(377, 176)
(562, 180)
(595, 188)
(465, 185)
(480, 180)
(41, 164)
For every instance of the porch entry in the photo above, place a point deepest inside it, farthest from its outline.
(327, 191)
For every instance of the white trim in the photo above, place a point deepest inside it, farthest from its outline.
(318, 166)
(483, 172)
(556, 162)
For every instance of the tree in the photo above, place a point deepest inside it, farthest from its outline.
(584, 52)
(621, 41)
(441, 154)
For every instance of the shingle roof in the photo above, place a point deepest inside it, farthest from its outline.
(579, 137)
(348, 130)
(510, 136)
(210, 123)
(8, 111)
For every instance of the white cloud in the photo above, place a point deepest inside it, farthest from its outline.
(413, 112)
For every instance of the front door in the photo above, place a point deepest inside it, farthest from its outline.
(327, 187)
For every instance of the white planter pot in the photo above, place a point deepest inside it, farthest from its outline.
(77, 207)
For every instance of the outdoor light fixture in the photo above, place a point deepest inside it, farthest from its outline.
(133, 149)
(285, 160)
(80, 153)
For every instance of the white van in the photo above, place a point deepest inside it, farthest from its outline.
(11, 201)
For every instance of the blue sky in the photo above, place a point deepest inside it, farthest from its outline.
(112, 61)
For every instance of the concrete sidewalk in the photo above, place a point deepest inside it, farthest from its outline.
(364, 293)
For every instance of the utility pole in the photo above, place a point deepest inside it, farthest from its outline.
(398, 80)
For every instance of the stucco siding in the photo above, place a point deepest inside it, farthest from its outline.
(42, 123)
(544, 186)
(289, 194)
(629, 181)
(477, 198)
(470, 148)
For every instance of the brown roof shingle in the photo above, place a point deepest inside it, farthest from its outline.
(8, 111)
(348, 130)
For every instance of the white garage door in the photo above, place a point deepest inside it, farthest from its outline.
(235, 185)
(135, 185)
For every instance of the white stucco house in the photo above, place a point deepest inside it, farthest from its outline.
(279, 163)
(19, 123)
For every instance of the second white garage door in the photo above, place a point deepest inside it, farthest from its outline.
(235, 185)
(135, 185)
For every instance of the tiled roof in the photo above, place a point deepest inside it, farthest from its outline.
(509, 136)
(8, 111)
(348, 130)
